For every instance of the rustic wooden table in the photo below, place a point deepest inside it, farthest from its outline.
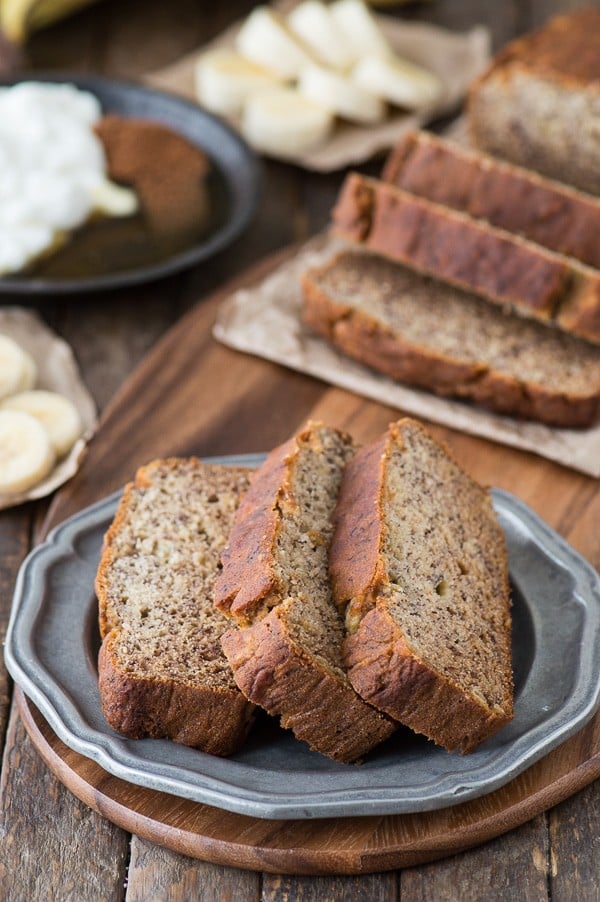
(51, 845)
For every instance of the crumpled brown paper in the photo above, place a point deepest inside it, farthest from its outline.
(456, 57)
(57, 371)
(264, 319)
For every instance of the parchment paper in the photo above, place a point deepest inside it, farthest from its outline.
(264, 319)
(456, 57)
(57, 371)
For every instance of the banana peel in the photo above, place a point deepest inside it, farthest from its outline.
(20, 18)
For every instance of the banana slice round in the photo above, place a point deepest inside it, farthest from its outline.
(340, 95)
(224, 81)
(17, 367)
(265, 39)
(359, 29)
(26, 455)
(55, 413)
(398, 81)
(312, 22)
(283, 122)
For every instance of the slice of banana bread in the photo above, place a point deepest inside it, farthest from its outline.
(420, 562)
(432, 335)
(504, 269)
(162, 671)
(507, 196)
(287, 654)
(538, 104)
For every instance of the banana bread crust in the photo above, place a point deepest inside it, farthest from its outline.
(275, 672)
(502, 268)
(371, 342)
(412, 692)
(507, 196)
(538, 103)
(215, 721)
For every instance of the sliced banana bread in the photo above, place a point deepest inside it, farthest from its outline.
(509, 197)
(420, 562)
(162, 671)
(287, 655)
(538, 104)
(502, 268)
(432, 335)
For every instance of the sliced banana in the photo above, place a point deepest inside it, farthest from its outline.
(114, 200)
(359, 29)
(26, 454)
(398, 81)
(284, 122)
(224, 81)
(265, 39)
(17, 368)
(312, 22)
(55, 413)
(340, 95)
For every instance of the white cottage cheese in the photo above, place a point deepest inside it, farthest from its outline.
(52, 169)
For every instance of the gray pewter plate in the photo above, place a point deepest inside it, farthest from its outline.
(53, 640)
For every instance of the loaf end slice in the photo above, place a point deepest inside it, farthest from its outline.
(419, 563)
(162, 672)
(287, 655)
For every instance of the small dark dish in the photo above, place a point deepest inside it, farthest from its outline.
(235, 180)
(52, 647)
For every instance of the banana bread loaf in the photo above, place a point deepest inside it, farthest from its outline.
(509, 197)
(428, 334)
(420, 562)
(503, 268)
(538, 104)
(287, 654)
(162, 671)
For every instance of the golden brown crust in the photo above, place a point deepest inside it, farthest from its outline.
(274, 672)
(469, 254)
(387, 673)
(355, 563)
(565, 50)
(508, 196)
(215, 721)
(369, 341)
(248, 577)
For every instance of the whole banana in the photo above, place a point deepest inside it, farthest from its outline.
(19, 18)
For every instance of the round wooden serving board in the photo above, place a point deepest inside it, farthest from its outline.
(191, 395)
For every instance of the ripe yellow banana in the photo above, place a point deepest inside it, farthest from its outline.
(19, 18)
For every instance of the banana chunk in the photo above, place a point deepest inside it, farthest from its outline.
(265, 39)
(26, 455)
(358, 29)
(341, 95)
(224, 80)
(398, 81)
(312, 22)
(17, 368)
(114, 200)
(284, 122)
(55, 413)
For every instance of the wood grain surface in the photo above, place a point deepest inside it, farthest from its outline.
(53, 846)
